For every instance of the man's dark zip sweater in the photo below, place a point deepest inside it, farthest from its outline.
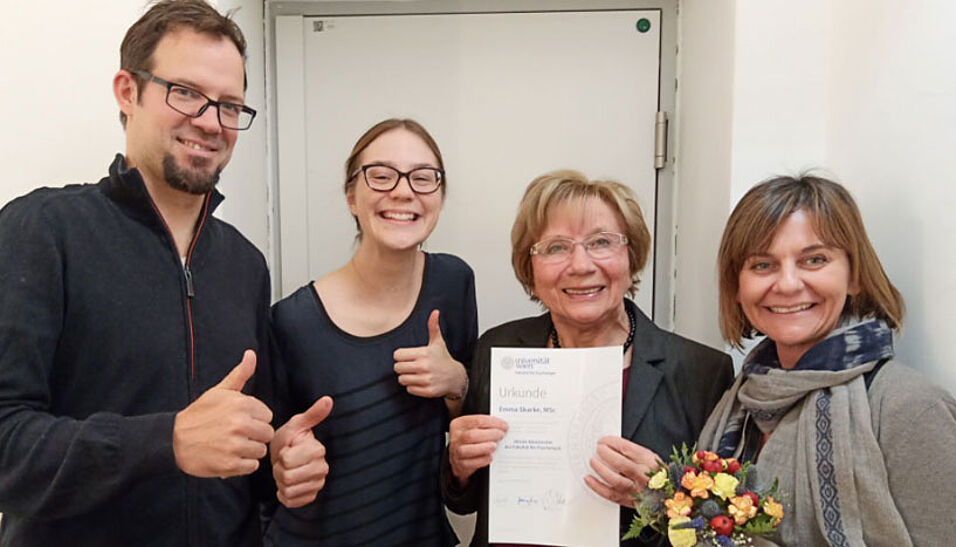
(104, 335)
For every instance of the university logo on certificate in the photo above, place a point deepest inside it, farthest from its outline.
(558, 403)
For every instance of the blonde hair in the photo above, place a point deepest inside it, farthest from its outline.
(836, 220)
(557, 187)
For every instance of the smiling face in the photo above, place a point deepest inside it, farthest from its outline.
(187, 153)
(794, 292)
(582, 292)
(399, 219)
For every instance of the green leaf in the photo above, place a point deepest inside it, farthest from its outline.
(687, 453)
(637, 526)
(675, 455)
(773, 489)
(761, 525)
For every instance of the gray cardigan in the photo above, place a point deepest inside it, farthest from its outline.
(673, 385)
(914, 422)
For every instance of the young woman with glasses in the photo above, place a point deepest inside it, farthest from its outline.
(389, 337)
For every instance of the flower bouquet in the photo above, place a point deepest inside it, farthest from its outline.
(702, 498)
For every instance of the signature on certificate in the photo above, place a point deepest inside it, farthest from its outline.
(553, 500)
(527, 501)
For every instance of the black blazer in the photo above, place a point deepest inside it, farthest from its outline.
(674, 383)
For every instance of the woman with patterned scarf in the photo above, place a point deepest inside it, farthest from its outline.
(864, 447)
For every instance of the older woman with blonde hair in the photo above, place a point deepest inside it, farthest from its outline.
(577, 248)
(861, 444)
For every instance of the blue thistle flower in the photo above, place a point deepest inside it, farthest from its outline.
(676, 472)
(710, 509)
(697, 524)
(651, 502)
(749, 482)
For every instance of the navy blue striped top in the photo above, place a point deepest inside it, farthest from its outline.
(383, 446)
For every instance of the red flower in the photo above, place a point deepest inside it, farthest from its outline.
(712, 466)
(722, 524)
(732, 465)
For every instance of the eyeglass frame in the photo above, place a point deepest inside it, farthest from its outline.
(364, 170)
(150, 77)
(534, 250)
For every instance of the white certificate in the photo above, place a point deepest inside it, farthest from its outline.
(558, 403)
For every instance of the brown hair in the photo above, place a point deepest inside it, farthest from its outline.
(352, 164)
(165, 16)
(836, 220)
(556, 187)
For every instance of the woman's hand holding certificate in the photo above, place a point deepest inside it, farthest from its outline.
(474, 439)
(622, 469)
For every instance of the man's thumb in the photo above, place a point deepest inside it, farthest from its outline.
(238, 377)
(434, 329)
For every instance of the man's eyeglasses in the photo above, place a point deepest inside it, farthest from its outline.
(558, 249)
(193, 103)
(384, 178)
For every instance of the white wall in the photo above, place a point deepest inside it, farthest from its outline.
(705, 113)
(865, 90)
(60, 121)
(891, 136)
(780, 89)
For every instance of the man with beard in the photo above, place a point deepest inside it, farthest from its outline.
(125, 307)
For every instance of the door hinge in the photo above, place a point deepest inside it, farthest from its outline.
(660, 140)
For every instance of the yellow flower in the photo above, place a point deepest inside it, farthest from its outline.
(724, 485)
(681, 537)
(679, 505)
(658, 480)
(697, 484)
(742, 509)
(774, 509)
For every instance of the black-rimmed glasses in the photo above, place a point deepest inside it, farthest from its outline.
(384, 178)
(193, 103)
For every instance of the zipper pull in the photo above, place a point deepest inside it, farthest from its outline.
(189, 282)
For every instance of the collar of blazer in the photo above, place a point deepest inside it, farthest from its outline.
(645, 377)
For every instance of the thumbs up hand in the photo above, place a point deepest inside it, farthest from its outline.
(298, 458)
(223, 433)
(430, 371)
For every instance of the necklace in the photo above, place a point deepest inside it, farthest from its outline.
(630, 333)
